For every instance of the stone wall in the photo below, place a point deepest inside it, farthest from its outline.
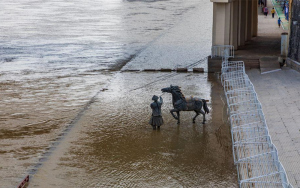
(294, 47)
(293, 64)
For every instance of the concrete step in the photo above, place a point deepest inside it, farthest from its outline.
(215, 64)
(269, 64)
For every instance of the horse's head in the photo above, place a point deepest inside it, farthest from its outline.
(170, 89)
(176, 93)
(167, 89)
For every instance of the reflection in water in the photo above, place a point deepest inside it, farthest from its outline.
(113, 145)
(55, 56)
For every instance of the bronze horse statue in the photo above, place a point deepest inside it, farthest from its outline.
(180, 103)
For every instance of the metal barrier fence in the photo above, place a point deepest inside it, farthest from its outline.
(255, 155)
(222, 51)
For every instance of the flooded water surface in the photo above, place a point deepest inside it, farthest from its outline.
(70, 118)
(113, 146)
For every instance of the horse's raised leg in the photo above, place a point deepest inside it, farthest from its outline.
(176, 117)
(203, 113)
(173, 110)
(197, 113)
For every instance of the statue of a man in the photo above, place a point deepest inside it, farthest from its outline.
(156, 118)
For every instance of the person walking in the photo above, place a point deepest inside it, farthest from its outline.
(282, 5)
(266, 11)
(156, 118)
(279, 21)
(273, 12)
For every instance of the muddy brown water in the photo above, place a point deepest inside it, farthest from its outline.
(58, 122)
(112, 144)
(33, 112)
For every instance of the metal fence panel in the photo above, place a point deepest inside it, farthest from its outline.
(222, 51)
(254, 153)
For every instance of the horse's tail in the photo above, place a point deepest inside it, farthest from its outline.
(205, 106)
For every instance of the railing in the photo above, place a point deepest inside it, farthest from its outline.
(222, 51)
(255, 155)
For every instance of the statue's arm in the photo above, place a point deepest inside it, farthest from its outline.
(161, 100)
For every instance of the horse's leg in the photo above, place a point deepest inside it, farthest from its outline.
(197, 113)
(178, 115)
(174, 110)
(203, 113)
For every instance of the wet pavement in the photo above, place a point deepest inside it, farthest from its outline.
(112, 144)
(34, 111)
(69, 118)
(183, 44)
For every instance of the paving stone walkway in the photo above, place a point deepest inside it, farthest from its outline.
(279, 94)
(277, 4)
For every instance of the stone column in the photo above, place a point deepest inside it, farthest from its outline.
(234, 23)
(242, 23)
(249, 20)
(284, 44)
(254, 17)
(221, 22)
